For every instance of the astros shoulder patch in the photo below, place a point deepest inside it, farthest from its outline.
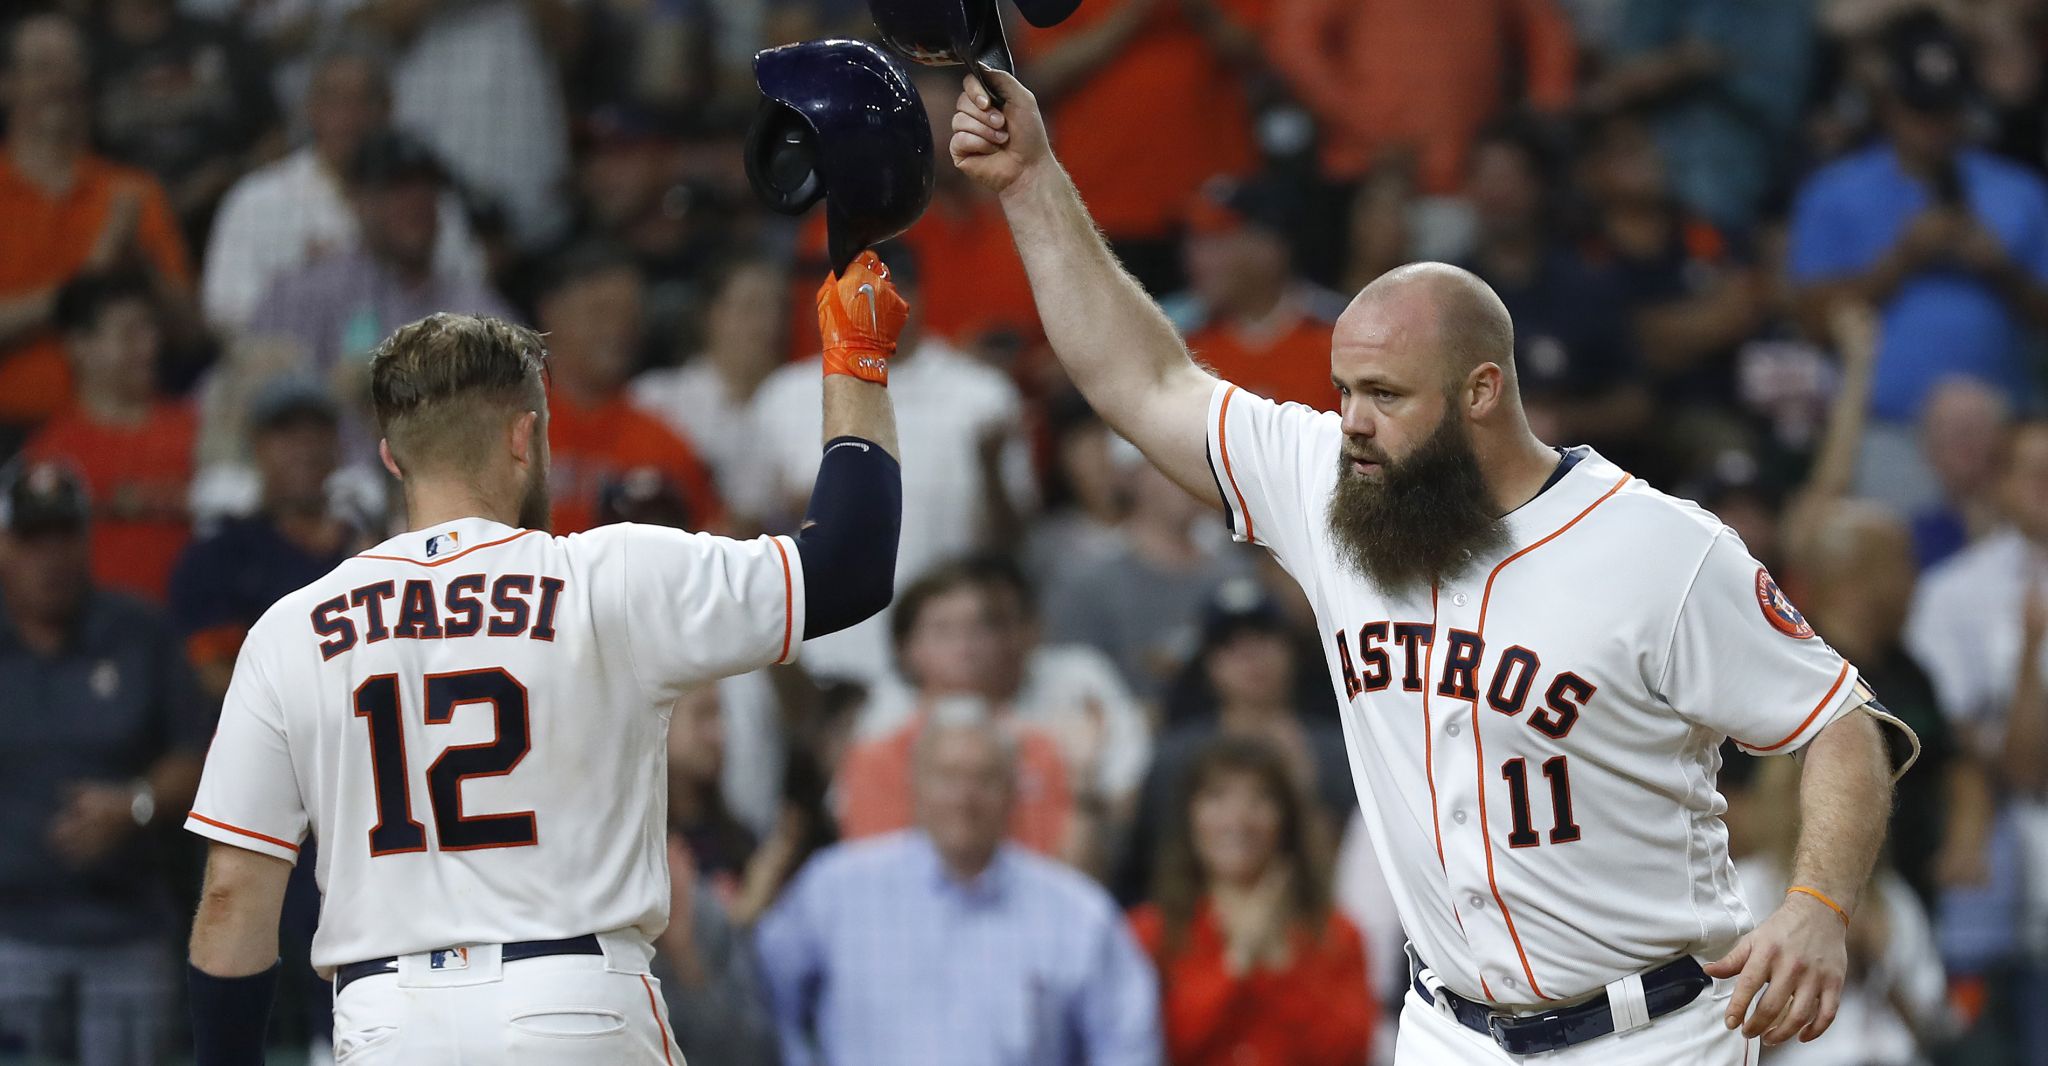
(1778, 609)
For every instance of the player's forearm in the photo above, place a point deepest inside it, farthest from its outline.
(1114, 342)
(1845, 798)
(855, 408)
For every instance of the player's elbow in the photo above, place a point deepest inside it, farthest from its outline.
(848, 543)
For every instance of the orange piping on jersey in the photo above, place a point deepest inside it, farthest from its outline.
(1822, 706)
(788, 598)
(1223, 445)
(1484, 987)
(452, 558)
(1479, 749)
(1436, 824)
(658, 1023)
(217, 824)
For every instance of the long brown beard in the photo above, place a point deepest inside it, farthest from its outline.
(1424, 520)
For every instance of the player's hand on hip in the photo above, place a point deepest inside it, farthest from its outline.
(860, 315)
(998, 146)
(1799, 960)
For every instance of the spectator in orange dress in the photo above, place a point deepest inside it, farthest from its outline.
(1247, 313)
(1255, 968)
(134, 450)
(1146, 100)
(948, 644)
(67, 211)
(590, 311)
(1420, 77)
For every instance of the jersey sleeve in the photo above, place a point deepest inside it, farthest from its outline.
(1743, 661)
(694, 607)
(249, 793)
(1264, 456)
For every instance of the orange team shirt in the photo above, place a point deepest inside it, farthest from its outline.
(44, 241)
(589, 446)
(1142, 132)
(139, 477)
(1420, 74)
(875, 789)
(970, 280)
(1317, 1012)
(1292, 366)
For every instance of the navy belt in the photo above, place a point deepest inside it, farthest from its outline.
(525, 949)
(1665, 989)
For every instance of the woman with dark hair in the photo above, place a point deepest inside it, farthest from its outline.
(1255, 967)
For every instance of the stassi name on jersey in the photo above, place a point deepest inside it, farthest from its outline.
(1512, 686)
(468, 605)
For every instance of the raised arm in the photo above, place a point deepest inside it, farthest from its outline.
(1114, 342)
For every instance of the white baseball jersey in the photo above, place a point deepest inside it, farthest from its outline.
(1535, 744)
(472, 720)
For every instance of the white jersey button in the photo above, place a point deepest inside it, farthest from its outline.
(1458, 600)
(1458, 817)
(1477, 901)
(1452, 729)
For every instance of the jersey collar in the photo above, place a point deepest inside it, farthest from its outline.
(1584, 477)
(437, 543)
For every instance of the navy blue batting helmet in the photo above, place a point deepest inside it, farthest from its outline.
(944, 33)
(841, 123)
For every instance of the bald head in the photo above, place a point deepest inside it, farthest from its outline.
(1461, 316)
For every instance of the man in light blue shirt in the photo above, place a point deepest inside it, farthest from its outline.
(943, 946)
(1949, 242)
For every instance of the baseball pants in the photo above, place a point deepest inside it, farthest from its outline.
(120, 1000)
(1693, 1035)
(561, 1009)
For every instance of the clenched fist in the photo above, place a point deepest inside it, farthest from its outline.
(998, 146)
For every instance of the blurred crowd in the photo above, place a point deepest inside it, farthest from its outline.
(1081, 795)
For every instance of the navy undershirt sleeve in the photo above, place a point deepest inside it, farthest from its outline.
(848, 540)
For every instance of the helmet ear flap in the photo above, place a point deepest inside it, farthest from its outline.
(782, 159)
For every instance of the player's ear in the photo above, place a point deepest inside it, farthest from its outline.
(525, 437)
(390, 461)
(1482, 391)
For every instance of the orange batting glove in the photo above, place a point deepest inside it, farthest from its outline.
(860, 316)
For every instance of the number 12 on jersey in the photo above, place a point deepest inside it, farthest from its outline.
(397, 832)
(1563, 830)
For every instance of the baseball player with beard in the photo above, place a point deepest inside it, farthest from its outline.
(1538, 656)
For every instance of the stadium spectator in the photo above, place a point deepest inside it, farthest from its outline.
(134, 449)
(1070, 691)
(1962, 431)
(1247, 662)
(1690, 287)
(719, 845)
(950, 628)
(1723, 85)
(967, 477)
(477, 82)
(105, 753)
(230, 574)
(709, 981)
(590, 310)
(280, 217)
(1947, 240)
(1149, 99)
(1977, 626)
(335, 308)
(1418, 78)
(1141, 603)
(1580, 377)
(914, 947)
(1085, 495)
(1247, 313)
(69, 211)
(187, 99)
(705, 400)
(1256, 967)
(1852, 564)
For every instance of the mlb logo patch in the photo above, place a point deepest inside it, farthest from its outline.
(442, 544)
(449, 959)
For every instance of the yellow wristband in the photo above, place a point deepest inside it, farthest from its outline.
(1817, 894)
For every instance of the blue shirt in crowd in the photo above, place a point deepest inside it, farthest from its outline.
(1942, 321)
(877, 956)
(115, 699)
(228, 577)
